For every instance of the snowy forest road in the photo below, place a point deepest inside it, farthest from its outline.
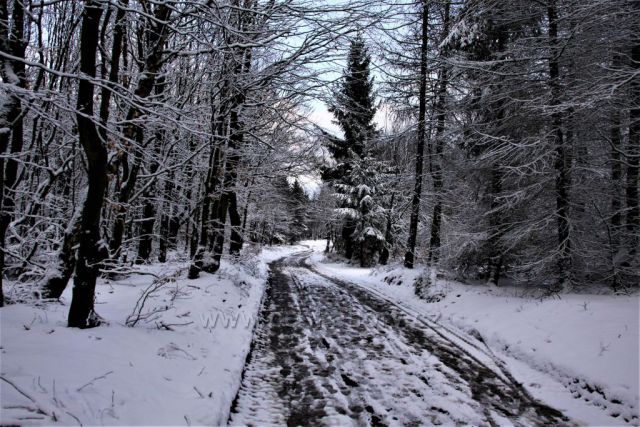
(327, 352)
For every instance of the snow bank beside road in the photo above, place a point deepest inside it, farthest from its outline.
(585, 346)
(181, 364)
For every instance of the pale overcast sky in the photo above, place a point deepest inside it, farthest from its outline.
(323, 118)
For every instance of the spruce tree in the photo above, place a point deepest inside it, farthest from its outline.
(364, 206)
(299, 202)
(354, 110)
(354, 104)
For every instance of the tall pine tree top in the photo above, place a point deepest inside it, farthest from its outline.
(354, 105)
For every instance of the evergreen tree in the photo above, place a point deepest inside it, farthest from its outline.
(299, 204)
(354, 106)
(355, 175)
(364, 205)
(293, 202)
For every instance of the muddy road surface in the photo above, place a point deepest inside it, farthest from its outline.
(328, 352)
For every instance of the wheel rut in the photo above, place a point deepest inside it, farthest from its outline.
(327, 352)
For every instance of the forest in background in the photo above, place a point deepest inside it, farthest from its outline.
(132, 129)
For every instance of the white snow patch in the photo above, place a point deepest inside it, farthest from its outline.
(181, 364)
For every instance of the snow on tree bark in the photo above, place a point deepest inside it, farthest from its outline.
(81, 311)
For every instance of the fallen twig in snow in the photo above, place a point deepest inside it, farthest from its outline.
(137, 314)
(37, 408)
(105, 375)
(28, 327)
(127, 270)
(169, 326)
(36, 383)
(74, 417)
(198, 391)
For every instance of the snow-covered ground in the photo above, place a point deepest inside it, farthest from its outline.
(578, 353)
(180, 364)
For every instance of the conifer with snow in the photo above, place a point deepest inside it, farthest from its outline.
(357, 176)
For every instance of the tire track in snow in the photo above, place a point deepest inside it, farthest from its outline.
(329, 352)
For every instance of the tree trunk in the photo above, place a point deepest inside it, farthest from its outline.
(633, 161)
(495, 223)
(12, 72)
(616, 179)
(563, 177)
(347, 231)
(409, 257)
(81, 312)
(158, 28)
(116, 52)
(245, 214)
(436, 172)
(56, 282)
(166, 217)
(228, 201)
(162, 244)
(226, 125)
(192, 239)
(149, 210)
(388, 234)
(130, 176)
(231, 176)
(236, 239)
(146, 231)
(221, 207)
(203, 237)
